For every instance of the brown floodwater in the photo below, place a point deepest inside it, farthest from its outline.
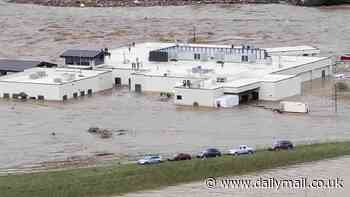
(155, 126)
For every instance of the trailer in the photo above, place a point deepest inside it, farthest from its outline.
(294, 107)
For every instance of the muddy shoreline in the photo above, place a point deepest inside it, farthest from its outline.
(152, 3)
(136, 3)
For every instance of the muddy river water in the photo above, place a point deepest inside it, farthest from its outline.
(154, 126)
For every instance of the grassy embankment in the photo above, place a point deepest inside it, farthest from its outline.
(119, 179)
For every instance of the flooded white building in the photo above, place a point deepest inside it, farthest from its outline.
(56, 84)
(195, 74)
(198, 74)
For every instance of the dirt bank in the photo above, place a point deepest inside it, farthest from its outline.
(134, 3)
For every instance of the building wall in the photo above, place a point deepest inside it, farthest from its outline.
(124, 74)
(274, 91)
(84, 61)
(236, 90)
(295, 53)
(56, 92)
(203, 97)
(50, 92)
(310, 71)
(101, 82)
(155, 83)
(217, 56)
(315, 74)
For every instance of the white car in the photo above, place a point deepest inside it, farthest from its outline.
(150, 159)
(243, 149)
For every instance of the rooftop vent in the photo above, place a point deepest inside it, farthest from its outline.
(221, 79)
(37, 75)
(57, 80)
(41, 73)
(68, 76)
(34, 76)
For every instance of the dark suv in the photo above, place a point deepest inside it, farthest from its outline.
(211, 152)
(282, 145)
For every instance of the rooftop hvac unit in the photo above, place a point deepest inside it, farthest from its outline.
(158, 56)
(71, 77)
(221, 79)
(68, 76)
(34, 76)
(41, 73)
(57, 80)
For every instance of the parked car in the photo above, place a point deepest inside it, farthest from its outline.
(181, 156)
(242, 149)
(150, 159)
(210, 152)
(282, 145)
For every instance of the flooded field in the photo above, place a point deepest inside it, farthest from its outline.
(328, 169)
(154, 126)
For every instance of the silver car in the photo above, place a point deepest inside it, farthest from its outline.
(242, 149)
(150, 159)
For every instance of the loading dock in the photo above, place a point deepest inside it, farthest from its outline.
(118, 81)
(247, 96)
(138, 88)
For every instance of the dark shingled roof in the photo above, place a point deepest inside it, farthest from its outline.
(81, 53)
(17, 65)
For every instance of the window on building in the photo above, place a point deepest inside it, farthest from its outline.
(6, 95)
(69, 61)
(41, 97)
(178, 97)
(85, 63)
(244, 58)
(197, 56)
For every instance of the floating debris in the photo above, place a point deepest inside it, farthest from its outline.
(106, 133)
(103, 133)
(93, 130)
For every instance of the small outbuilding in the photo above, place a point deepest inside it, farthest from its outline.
(84, 57)
(55, 84)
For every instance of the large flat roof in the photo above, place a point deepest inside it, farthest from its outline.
(237, 74)
(122, 57)
(49, 76)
